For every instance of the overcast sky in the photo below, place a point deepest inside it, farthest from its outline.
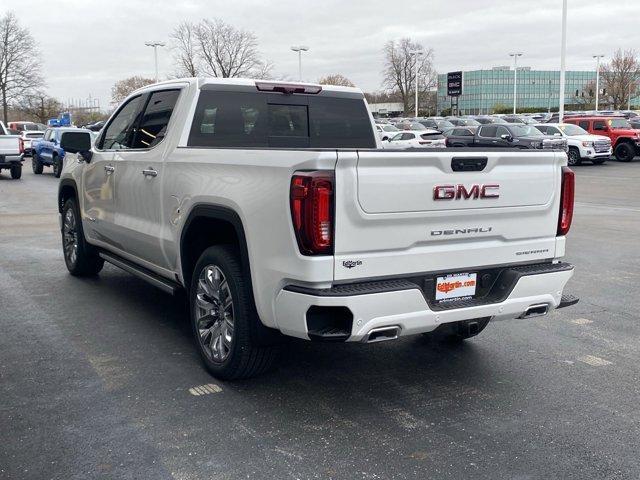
(87, 45)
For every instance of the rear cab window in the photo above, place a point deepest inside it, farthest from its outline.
(234, 119)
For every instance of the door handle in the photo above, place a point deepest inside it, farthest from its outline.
(109, 169)
(150, 172)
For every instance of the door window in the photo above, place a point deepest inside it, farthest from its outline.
(153, 126)
(502, 131)
(488, 131)
(599, 125)
(120, 132)
(584, 124)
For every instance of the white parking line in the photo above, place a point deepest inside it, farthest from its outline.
(594, 361)
(581, 321)
(205, 389)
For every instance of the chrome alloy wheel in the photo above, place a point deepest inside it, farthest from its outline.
(70, 236)
(214, 313)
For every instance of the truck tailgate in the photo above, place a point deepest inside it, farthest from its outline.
(410, 212)
(9, 145)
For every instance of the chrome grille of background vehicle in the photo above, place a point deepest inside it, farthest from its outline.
(601, 147)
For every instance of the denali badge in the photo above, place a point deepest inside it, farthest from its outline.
(351, 263)
(456, 192)
(461, 231)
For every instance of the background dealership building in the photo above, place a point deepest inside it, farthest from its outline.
(484, 90)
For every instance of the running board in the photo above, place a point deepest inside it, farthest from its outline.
(141, 272)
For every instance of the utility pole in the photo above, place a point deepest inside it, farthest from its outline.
(415, 53)
(155, 46)
(597, 57)
(515, 56)
(563, 54)
(300, 49)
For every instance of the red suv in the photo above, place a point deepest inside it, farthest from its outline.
(625, 140)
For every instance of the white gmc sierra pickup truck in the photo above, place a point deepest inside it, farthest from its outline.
(11, 152)
(274, 207)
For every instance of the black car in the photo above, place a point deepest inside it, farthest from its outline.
(510, 135)
(516, 136)
(486, 120)
(437, 124)
(464, 122)
(459, 136)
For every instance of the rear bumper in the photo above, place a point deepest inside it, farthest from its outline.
(7, 160)
(409, 309)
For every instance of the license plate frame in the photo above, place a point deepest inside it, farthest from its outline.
(453, 287)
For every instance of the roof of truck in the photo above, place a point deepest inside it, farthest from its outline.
(248, 82)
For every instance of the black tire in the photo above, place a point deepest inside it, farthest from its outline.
(598, 161)
(16, 171)
(57, 166)
(36, 164)
(573, 157)
(246, 356)
(458, 331)
(624, 152)
(86, 261)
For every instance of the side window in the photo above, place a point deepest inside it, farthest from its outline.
(153, 126)
(544, 129)
(552, 131)
(230, 120)
(408, 136)
(598, 125)
(47, 135)
(584, 124)
(119, 134)
(502, 131)
(488, 131)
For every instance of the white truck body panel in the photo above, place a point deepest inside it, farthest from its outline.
(385, 216)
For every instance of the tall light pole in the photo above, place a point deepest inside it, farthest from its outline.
(515, 56)
(300, 49)
(563, 54)
(598, 57)
(155, 46)
(415, 72)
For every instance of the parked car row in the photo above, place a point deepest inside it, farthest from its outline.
(585, 138)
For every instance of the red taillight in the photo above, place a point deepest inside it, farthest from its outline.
(566, 201)
(21, 143)
(312, 211)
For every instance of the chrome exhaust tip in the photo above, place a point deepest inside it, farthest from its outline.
(382, 334)
(537, 310)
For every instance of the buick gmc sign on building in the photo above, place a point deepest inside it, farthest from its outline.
(454, 84)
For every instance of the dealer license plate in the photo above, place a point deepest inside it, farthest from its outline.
(456, 286)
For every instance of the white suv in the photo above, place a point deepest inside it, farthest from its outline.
(582, 145)
(274, 207)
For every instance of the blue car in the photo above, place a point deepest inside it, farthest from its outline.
(46, 152)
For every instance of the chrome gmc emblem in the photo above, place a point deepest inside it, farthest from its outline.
(457, 192)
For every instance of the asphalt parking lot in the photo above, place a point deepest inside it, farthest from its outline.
(95, 374)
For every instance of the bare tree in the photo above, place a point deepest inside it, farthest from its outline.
(184, 46)
(620, 76)
(122, 88)
(336, 79)
(19, 66)
(39, 107)
(585, 98)
(217, 49)
(400, 70)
